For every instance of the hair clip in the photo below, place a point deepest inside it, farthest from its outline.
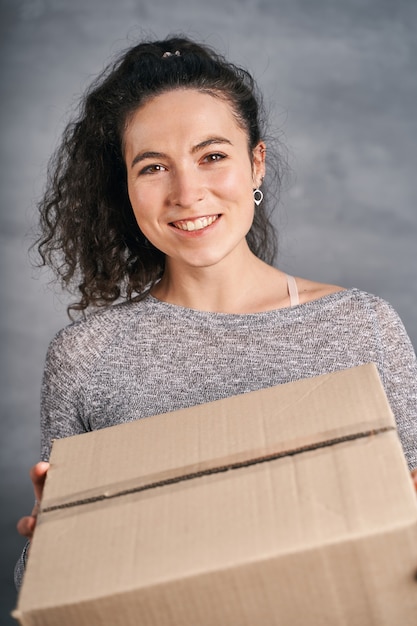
(177, 53)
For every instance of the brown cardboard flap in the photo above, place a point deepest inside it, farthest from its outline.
(225, 434)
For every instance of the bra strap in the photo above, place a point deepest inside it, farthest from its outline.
(292, 290)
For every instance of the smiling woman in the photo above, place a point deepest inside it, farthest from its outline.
(156, 200)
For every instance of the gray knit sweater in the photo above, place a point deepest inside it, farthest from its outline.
(139, 359)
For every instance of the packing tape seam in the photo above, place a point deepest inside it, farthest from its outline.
(220, 469)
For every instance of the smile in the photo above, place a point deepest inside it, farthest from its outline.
(198, 224)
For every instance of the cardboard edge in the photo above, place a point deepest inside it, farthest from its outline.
(29, 617)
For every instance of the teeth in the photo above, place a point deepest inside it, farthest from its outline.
(198, 224)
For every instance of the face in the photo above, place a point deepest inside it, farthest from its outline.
(191, 178)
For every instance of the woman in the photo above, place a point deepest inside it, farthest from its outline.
(155, 199)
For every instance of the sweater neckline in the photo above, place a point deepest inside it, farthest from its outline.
(296, 310)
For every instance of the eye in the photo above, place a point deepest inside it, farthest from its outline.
(152, 169)
(213, 157)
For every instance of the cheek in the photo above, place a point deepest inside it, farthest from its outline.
(139, 200)
(139, 213)
(236, 183)
(143, 202)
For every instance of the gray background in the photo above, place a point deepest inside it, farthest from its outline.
(339, 77)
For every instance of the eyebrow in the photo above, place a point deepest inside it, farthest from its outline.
(149, 154)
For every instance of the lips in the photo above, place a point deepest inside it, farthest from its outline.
(195, 224)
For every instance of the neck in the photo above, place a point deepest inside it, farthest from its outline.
(238, 288)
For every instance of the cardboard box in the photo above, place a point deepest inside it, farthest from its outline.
(288, 506)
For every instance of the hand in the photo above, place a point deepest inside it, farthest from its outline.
(26, 525)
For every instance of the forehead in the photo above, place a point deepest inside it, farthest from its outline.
(181, 113)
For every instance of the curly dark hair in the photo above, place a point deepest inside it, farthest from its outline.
(89, 235)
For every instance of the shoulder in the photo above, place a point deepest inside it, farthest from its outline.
(354, 306)
(84, 340)
(309, 290)
(312, 291)
(350, 302)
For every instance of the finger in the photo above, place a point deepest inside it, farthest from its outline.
(26, 526)
(38, 476)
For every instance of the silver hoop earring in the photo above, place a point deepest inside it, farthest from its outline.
(258, 196)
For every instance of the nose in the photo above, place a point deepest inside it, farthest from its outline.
(186, 188)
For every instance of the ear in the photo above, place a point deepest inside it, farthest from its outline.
(258, 164)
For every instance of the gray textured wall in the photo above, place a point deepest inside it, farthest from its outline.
(340, 79)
